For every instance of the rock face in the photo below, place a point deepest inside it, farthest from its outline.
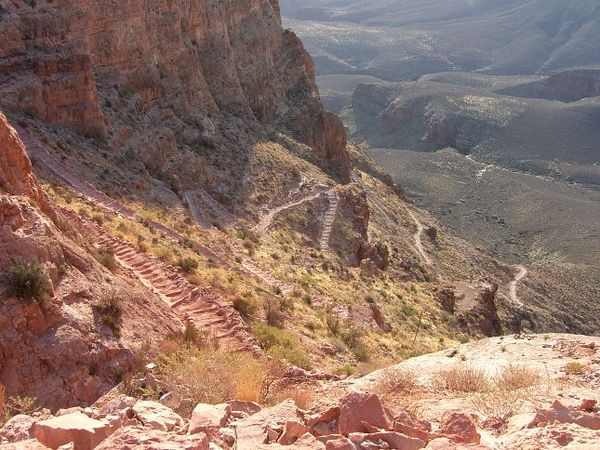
(60, 351)
(473, 306)
(173, 59)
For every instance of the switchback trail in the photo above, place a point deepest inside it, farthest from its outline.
(521, 272)
(329, 219)
(417, 237)
(40, 153)
(267, 220)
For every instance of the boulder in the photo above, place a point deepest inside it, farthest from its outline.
(30, 444)
(391, 438)
(156, 416)
(357, 409)
(209, 418)
(84, 432)
(460, 428)
(339, 443)
(292, 431)
(446, 444)
(18, 428)
(587, 405)
(240, 408)
(560, 413)
(137, 438)
(408, 424)
(252, 431)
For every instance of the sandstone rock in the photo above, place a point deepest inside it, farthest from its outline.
(18, 428)
(408, 424)
(447, 444)
(560, 413)
(357, 408)
(292, 431)
(243, 408)
(339, 443)
(136, 438)
(391, 438)
(252, 431)
(84, 432)
(156, 416)
(116, 405)
(587, 405)
(460, 427)
(209, 418)
(30, 444)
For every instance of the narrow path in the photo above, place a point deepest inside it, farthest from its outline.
(417, 238)
(203, 206)
(266, 221)
(328, 219)
(40, 153)
(201, 307)
(521, 272)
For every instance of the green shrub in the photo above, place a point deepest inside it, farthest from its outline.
(27, 280)
(105, 255)
(187, 265)
(246, 306)
(281, 345)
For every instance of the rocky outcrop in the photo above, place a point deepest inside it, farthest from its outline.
(163, 62)
(59, 350)
(473, 306)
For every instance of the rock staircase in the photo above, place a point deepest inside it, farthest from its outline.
(201, 307)
(40, 152)
(329, 219)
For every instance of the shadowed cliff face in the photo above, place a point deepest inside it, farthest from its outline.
(200, 57)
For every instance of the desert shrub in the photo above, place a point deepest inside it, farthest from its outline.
(514, 377)
(281, 345)
(509, 390)
(247, 306)
(202, 375)
(110, 311)
(575, 368)
(333, 324)
(187, 265)
(397, 380)
(462, 378)
(191, 335)
(273, 314)
(105, 255)
(29, 281)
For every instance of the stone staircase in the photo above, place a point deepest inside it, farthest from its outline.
(328, 219)
(201, 307)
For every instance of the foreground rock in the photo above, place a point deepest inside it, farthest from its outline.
(85, 433)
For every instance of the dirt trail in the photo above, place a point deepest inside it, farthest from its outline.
(521, 272)
(40, 153)
(329, 219)
(267, 220)
(201, 307)
(203, 206)
(418, 240)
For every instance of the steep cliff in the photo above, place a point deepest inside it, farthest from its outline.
(59, 348)
(67, 62)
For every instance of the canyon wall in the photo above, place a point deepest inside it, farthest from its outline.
(61, 60)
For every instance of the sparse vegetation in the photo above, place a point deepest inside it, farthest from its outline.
(110, 311)
(576, 368)
(462, 378)
(246, 305)
(15, 405)
(395, 381)
(281, 345)
(29, 281)
(187, 265)
(106, 256)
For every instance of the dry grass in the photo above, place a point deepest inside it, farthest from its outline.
(513, 387)
(302, 395)
(397, 381)
(576, 368)
(463, 378)
(205, 375)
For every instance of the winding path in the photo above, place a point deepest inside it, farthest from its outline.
(201, 307)
(417, 238)
(521, 272)
(41, 153)
(267, 220)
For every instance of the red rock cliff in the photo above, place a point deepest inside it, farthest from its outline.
(200, 57)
